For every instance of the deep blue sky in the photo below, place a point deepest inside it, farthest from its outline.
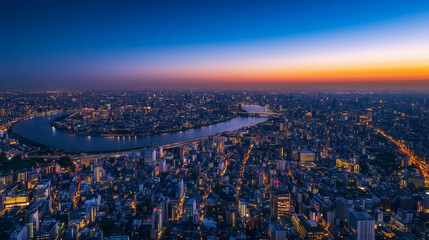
(50, 40)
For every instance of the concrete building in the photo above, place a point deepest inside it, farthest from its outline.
(149, 157)
(276, 232)
(280, 203)
(361, 225)
(308, 229)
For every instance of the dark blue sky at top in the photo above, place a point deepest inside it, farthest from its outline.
(39, 27)
(32, 31)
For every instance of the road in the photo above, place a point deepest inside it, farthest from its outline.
(423, 167)
(243, 167)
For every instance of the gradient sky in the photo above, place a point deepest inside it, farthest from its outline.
(57, 44)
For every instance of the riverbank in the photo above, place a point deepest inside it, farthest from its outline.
(53, 150)
(137, 134)
(39, 130)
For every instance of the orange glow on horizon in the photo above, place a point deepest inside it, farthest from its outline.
(399, 71)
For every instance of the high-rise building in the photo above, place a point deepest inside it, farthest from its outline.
(43, 189)
(281, 165)
(48, 232)
(231, 216)
(281, 126)
(21, 177)
(361, 225)
(280, 203)
(342, 209)
(180, 189)
(242, 207)
(163, 166)
(157, 220)
(165, 205)
(32, 219)
(160, 152)
(191, 211)
(220, 147)
(149, 157)
(144, 205)
(400, 224)
(97, 172)
(328, 217)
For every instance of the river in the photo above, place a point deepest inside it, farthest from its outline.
(38, 129)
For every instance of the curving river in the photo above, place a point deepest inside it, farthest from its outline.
(38, 129)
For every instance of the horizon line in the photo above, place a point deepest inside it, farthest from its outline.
(380, 85)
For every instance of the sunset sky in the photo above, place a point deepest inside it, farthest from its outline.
(60, 44)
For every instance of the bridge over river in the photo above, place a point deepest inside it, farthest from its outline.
(119, 153)
(261, 113)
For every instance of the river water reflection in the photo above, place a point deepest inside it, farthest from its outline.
(38, 129)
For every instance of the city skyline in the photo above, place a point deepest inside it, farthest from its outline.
(213, 120)
(175, 44)
(200, 164)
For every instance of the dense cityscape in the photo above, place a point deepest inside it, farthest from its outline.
(319, 165)
(214, 120)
